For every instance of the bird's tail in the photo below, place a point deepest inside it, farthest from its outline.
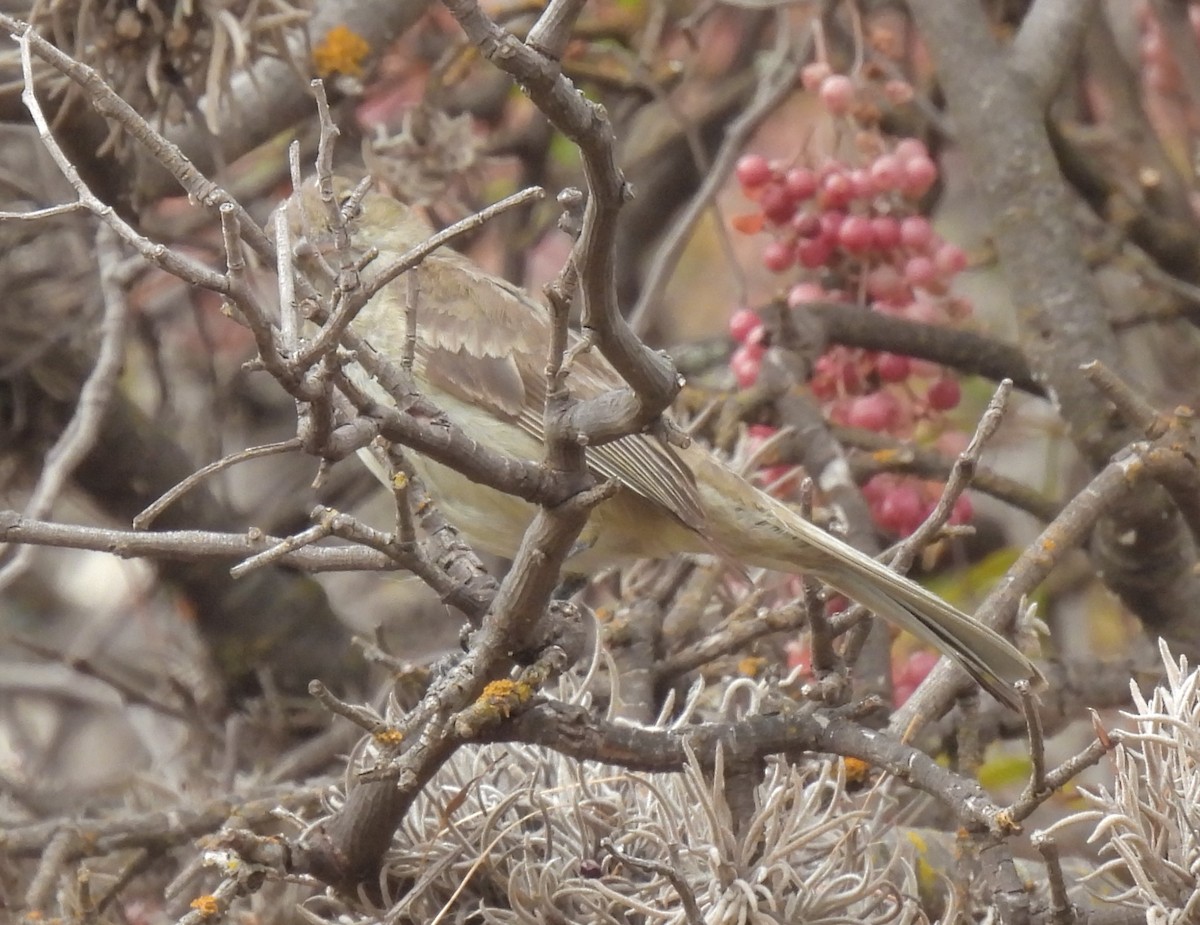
(986, 656)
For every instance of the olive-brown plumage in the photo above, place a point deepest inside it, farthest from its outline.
(481, 352)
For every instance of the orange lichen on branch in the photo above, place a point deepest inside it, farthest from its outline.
(498, 701)
(207, 906)
(341, 52)
(856, 770)
(1006, 823)
(751, 665)
(892, 456)
(389, 736)
(504, 695)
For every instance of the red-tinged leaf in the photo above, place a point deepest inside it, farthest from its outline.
(751, 223)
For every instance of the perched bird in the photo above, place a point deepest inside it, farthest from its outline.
(481, 351)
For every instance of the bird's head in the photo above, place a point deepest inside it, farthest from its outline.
(343, 215)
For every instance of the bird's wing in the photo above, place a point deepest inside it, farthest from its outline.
(492, 352)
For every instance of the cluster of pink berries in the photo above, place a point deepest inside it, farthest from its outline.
(900, 503)
(826, 218)
(852, 233)
(843, 96)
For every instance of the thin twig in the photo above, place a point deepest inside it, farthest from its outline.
(778, 84)
(151, 513)
(1062, 910)
(959, 480)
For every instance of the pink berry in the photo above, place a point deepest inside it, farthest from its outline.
(806, 225)
(803, 293)
(920, 272)
(777, 203)
(837, 93)
(745, 366)
(825, 390)
(908, 148)
(963, 511)
(876, 411)
(840, 366)
(813, 75)
(885, 284)
(923, 310)
(877, 486)
(838, 372)
(952, 442)
(752, 171)
(915, 232)
(836, 603)
(855, 234)
(862, 184)
(945, 393)
(901, 510)
(907, 677)
(836, 191)
(949, 260)
(779, 255)
(917, 666)
(800, 182)
(813, 252)
(888, 172)
(831, 224)
(742, 323)
(920, 173)
(886, 232)
(892, 367)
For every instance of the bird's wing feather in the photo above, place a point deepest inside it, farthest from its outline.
(469, 348)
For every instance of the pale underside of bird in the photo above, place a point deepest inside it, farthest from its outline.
(481, 352)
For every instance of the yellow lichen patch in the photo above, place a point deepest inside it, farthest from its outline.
(891, 456)
(503, 695)
(389, 736)
(750, 666)
(341, 52)
(856, 770)
(207, 906)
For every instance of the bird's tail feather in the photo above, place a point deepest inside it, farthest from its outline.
(985, 655)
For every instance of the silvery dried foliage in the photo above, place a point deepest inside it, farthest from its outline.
(1148, 823)
(168, 57)
(516, 834)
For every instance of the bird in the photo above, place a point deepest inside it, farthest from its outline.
(481, 349)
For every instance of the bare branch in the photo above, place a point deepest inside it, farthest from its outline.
(1049, 42)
